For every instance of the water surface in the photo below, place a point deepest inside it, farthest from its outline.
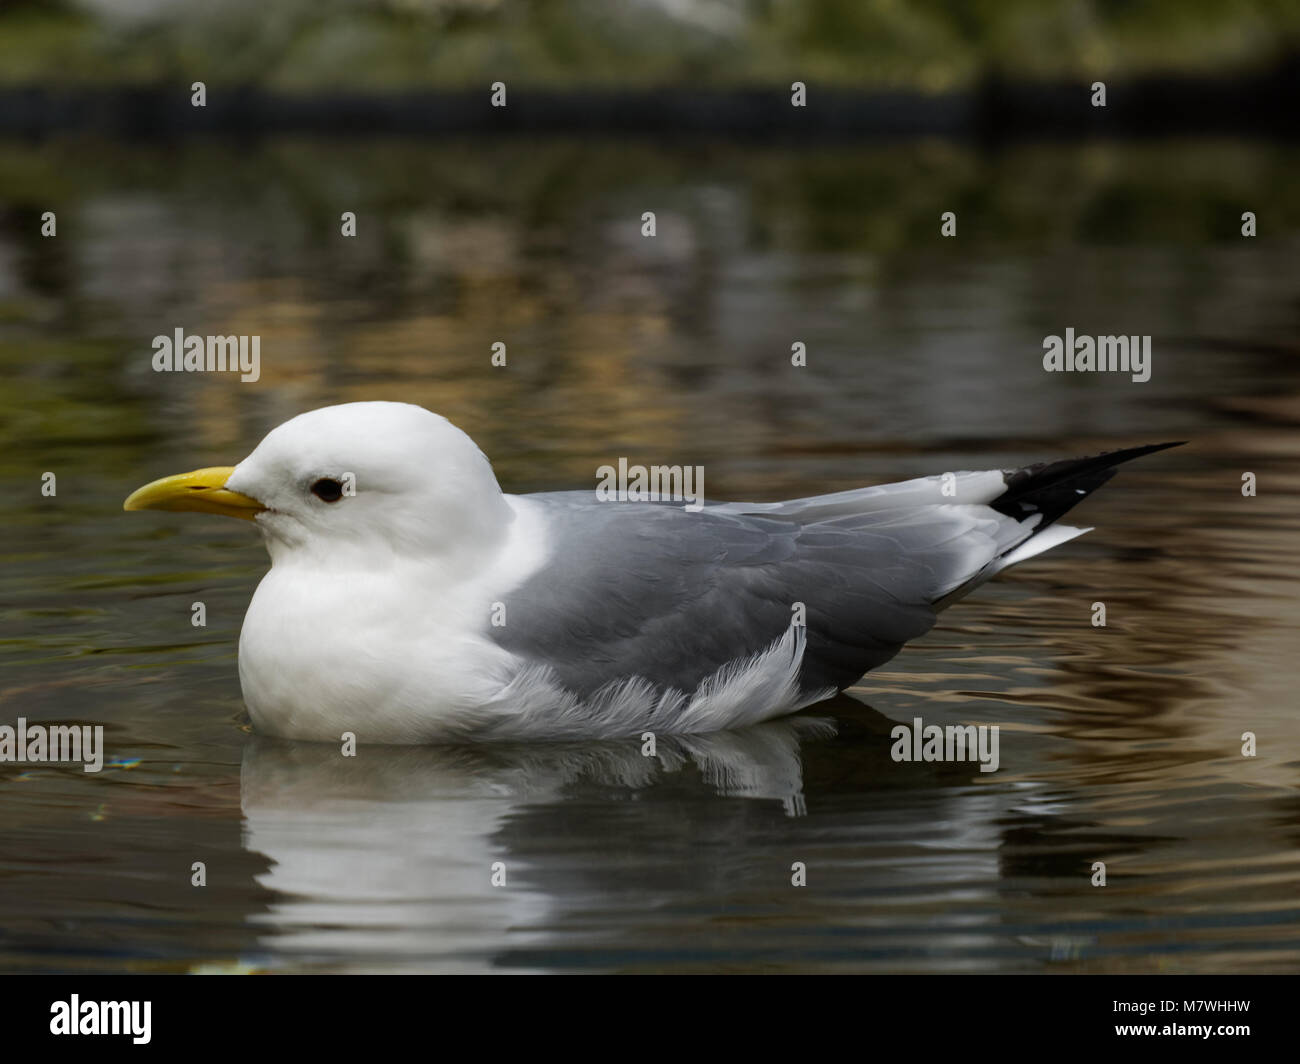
(1119, 744)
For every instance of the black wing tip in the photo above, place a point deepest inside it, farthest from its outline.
(1103, 459)
(1052, 488)
(1127, 453)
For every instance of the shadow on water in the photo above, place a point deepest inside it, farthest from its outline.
(366, 852)
(391, 854)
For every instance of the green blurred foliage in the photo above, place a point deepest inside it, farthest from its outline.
(391, 44)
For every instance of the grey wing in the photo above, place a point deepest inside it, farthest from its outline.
(654, 591)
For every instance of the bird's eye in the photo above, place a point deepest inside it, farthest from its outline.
(327, 489)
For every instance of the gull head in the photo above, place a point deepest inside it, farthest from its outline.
(374, 479)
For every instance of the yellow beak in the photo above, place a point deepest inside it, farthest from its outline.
(203, 490)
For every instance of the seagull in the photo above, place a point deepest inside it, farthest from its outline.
(411, 600)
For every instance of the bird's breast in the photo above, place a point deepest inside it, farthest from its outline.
(375, 655)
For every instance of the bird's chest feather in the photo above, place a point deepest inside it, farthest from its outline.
(373, 654)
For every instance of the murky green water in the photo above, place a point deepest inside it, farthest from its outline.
(1119, 744)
